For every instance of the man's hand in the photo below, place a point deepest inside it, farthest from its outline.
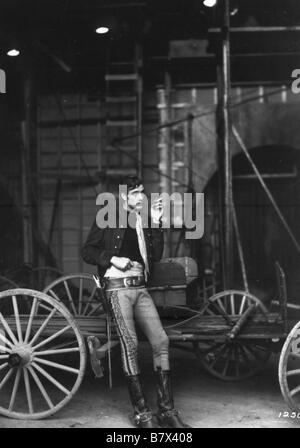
(157, 210)
(121, 263)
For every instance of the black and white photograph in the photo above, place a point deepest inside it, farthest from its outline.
(149, 216)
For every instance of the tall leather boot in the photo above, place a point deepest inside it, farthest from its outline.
(142, 414)
(167, 415)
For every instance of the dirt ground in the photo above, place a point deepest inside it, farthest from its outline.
(204, 402)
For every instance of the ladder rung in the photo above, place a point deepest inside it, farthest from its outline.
(178, 164)
(125, 77)
(121, 123)
(120, 99)
(120, 171)
(111, 148)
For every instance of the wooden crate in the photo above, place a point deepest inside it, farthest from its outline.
(170, 279)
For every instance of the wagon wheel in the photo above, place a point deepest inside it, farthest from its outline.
(78, 292)
(6, 283)
(232, 359)
(289, 369)
(41, 276)
(29, 383)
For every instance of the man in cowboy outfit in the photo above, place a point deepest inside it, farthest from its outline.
(125, 256)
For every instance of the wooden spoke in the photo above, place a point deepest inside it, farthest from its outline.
(245, 355)
(225, 315)
(70, 297)
(5, 340)
(261, 348)
(56, 365)
(95, 309)
(58, 351)
(44, 307)
(63, 345)
(43, 326)
(254, 353)
(219, 356)
(232, 308)
(89, 300)
(225, 368)
(80, 295)
(50, 338)
(50, 378)
(28, 391)
(4, 349)
(3, 366)
(3, 356)
(8, 330)
(29, 325)
(17, 318)
(54, 295)
(295, 391)
(41, 387)
(15, 389)
(243, 302)
(212, 348)
(210, 312)
(6, 378)
(237, 361)
(219, 302)
(293, 372)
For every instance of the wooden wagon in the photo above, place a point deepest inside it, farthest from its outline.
(45, 336)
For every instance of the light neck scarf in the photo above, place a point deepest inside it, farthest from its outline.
(141, 239)
(142, 243)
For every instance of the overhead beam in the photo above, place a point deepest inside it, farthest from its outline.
(258, 29)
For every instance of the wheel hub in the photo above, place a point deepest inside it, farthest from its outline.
(20, 356)
(14, 360)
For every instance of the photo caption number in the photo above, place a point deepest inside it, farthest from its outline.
(287, 414)
(162, 437)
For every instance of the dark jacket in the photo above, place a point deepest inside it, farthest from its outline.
(102, 244)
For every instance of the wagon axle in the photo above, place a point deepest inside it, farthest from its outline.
(14, 360)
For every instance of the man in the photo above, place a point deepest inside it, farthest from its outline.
(124, 257)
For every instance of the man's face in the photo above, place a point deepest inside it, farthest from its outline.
(135, 198)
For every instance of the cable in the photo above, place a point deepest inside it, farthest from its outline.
(202, 114)
(115, 142)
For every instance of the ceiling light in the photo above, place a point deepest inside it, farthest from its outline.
(209, 3)
(102, 30)
(13, 52)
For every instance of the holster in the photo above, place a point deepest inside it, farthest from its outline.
(101, 294)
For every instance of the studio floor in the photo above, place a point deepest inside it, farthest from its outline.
(204, 402)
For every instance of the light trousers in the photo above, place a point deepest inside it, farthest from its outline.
(135, 305)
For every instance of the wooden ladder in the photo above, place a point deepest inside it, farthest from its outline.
(123, 99)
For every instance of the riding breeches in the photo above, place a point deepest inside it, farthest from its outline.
(135, 304)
